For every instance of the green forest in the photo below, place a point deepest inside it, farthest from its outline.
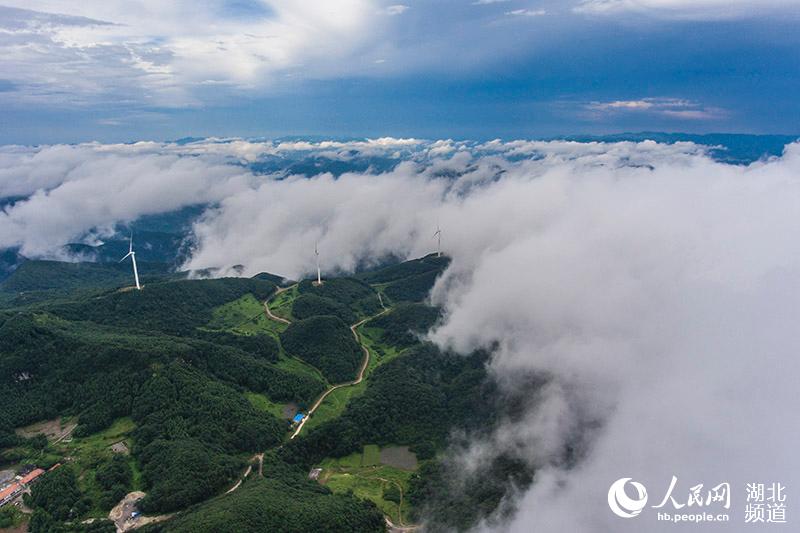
(326, 343)
(284, 500)
(172, 372)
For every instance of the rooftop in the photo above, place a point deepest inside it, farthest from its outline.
(8, 491)
(32, 476)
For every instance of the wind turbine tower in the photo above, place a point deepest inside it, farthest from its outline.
(438, 235)
(132, 255)
(319, 272)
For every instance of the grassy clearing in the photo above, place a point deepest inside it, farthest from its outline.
(88, 452)
(334, 405)
(350, 461)
(244, 316)
(47, 319)
(364, 474)
(380, 353)
(232, 314)
(371, 455)
(375, 484)
(119, 430)
(297, 366)
(262, 403)
(281, 305)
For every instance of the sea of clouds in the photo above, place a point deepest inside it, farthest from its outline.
(658, 289)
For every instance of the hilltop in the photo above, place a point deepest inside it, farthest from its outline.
(197, 379)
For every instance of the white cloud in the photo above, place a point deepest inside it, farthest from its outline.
(668, 107)
(170, 50)
(526, 12)
(75, 189)
(658, 296)
(690, 9)
(488, 2)
(622, 104)
(125, 181)
(134, 54)
(656, 287)
(661, 303)
(397, 9)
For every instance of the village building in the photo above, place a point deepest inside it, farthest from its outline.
(18, 487)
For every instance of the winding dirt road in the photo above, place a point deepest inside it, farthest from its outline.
(359, 379)
(239, 483)
(361, 370)
(260, 457)
(402, 526)
(393, 528)
(269, 313)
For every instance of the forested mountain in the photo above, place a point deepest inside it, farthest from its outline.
(284, 500)
(326, 343)
(195, 381)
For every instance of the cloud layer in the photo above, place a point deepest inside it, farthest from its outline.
(123, 70)
(661, 303)
(176, 52)
(690, 9)
(665, 107)
(656, 288)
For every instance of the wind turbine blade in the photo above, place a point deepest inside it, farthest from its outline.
(126, 256)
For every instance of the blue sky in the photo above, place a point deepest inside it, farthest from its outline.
(122, 70)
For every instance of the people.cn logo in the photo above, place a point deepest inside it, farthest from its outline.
(621, 504)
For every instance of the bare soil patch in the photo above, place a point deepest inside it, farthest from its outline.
(52, 429)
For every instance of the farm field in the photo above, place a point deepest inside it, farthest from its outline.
(369, 477)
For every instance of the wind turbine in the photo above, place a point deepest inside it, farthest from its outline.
(132, 255)
(439, 245)
(319, 272)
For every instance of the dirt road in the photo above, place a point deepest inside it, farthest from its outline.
(123, 514)
(361, 370)
(269, 312)
(359, 379)
(260, 457)
(399, 529)
(364, 364)
(239, 483)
